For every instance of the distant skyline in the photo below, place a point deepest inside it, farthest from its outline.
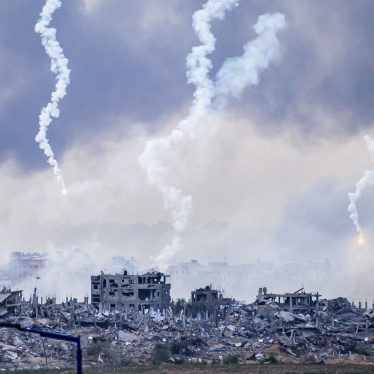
(270, 183)
(29, 270)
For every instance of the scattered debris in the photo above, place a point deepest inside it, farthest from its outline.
(286, 328)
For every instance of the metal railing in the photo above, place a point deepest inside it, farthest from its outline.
(52, 335)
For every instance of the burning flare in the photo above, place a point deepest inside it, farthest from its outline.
(58, 67)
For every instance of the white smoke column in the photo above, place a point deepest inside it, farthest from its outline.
(151, 160)
(366, 180)
(58, 67)
(232, 78)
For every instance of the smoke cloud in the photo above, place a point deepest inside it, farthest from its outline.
(58, 67)
(367, 179)
(209, 99)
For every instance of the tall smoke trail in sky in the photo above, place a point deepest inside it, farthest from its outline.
(367, 179)
(58, 67)
(209, 98)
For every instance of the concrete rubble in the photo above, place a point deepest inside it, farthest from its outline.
(294, 327)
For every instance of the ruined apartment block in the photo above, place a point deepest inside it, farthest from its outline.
(125, 291)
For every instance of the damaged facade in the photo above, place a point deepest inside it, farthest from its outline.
(126, 291)
(10, 301)
(205, 295)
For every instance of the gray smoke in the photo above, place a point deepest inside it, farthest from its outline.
(209, 98)
(58, 67)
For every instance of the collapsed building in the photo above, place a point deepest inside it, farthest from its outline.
(130, 291)
(10, 301)
(294, 302)
(205, 295)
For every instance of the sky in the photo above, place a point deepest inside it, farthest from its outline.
(268, 175)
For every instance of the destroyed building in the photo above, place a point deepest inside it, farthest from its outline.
(10, 301)
(125, 291)
(205, 295)
(295, 301)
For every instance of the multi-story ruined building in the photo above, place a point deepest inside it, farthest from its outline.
(125, 291)
(10, 301)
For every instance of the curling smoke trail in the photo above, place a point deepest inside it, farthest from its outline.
(208, 97)
(367, 179)
(58, 67)
(151, 160)
(237, 73)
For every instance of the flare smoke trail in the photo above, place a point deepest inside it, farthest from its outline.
(58, 67)
(209, 97)
(367, 179)
(237, 73)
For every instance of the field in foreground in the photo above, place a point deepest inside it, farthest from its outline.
(207, 369)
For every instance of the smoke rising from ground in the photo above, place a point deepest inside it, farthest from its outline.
(367, 179)
(300, 129)
(58, 67)
(259, 222)
(232, 78)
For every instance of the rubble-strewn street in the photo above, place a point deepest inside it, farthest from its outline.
(295, 330)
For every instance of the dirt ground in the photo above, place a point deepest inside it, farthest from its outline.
(340, 368)
(241, 369)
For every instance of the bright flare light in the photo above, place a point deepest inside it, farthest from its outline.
(361, 240)
(64, 191)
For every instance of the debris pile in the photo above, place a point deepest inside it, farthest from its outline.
(294, 327)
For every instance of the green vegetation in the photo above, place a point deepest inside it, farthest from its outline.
(353, 347)
(180, 348)
(272, 359)
(231, 360)
(160, 353)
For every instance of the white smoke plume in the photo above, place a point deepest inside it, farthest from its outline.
(238, 72)
(59, 67)
(235, 74)
(367, 179)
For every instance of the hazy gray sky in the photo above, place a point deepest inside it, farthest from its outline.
(271, 181)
